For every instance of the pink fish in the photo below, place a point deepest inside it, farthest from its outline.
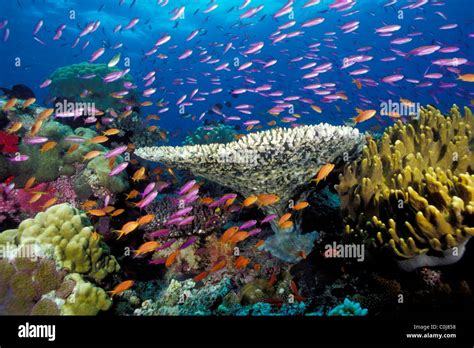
(121, 167)
(211, 8)
(46, 83)
(35, 140)
(97, 54)
(132, 23)
(424, 50)
(115, 152)
(147, 200)
(178, 13)
(312, 22)
(186, 187)
(252, 12)
(38, 27)
(185, 54)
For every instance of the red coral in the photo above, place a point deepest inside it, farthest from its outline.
(8, 142)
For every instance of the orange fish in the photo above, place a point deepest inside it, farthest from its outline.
(229, 233)
(127, 228)
(229, 202)
(357, 83)
(88, 204)
(146, 219)
(272, 123)
(121, 287)
(153, 117)
(249, 201)
(238, 237)
(316, 108)
(35, 197)
(15, 127)
(284, 218)
(48, 146)
(28, 102)
(286, 225)
(98, 139)
(301, 205)
(108, 209)
(147, 248)
(200, 276)
(45, 114)
(363, 115)
(36, 127)
(257, 267)
(112, 162)
(96, 212)
(90, 155)
(171, 258)
(95, 235)
(218, 266)
(139, 175)
(272, 279)
(241, 262)
(49, 202)
(9, 104)
(29, 183)
(72, 148)
(259, 243)
(117, 212)
(146, 103)
(267, 199)
(324, 172)
(132, 194)
(111, 131)
(206, 200)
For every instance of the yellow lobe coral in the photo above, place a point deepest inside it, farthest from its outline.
(412, 191)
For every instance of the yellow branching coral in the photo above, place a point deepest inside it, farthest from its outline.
(413, 190)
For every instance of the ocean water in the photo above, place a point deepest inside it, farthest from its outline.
(189, 241)
(222, 26)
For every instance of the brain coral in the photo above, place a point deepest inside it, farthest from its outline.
(65, 234)
(278, 161)
(67, 83)
(413, 191)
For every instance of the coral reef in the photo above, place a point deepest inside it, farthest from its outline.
(65, 234)
(219, 133)
(413, 191)
(35, 286)
(278, 161)
(348, 309)
(70, 81)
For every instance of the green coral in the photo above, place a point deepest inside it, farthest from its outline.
(211, 134)
(66, 234)
(66, 83)
(412, 192)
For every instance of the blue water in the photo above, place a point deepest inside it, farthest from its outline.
(38, 61)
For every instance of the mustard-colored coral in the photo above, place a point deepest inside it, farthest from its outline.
(67, 235)
(413, 190)
(87, 299)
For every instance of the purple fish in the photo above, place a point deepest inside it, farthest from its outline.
(181, 212)
(115, 152)
(121, 167)
(173, 220)
(74, 139)
(19, 158)
(167, 244)
(269, 218)
(160, 233)
(38, 27)
(248, 224)
(189, 242)
(150, 187)
(147, 200)
(186, 187)
(186, 221)
(255, 231)
(160, 261)
(35, 140)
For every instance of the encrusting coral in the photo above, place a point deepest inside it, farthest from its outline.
(413, 191)
(278, 161)
(220, 133)
(65, 234)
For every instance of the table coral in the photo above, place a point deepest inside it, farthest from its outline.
(412, 192)
(66, 235)
(278, 161)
